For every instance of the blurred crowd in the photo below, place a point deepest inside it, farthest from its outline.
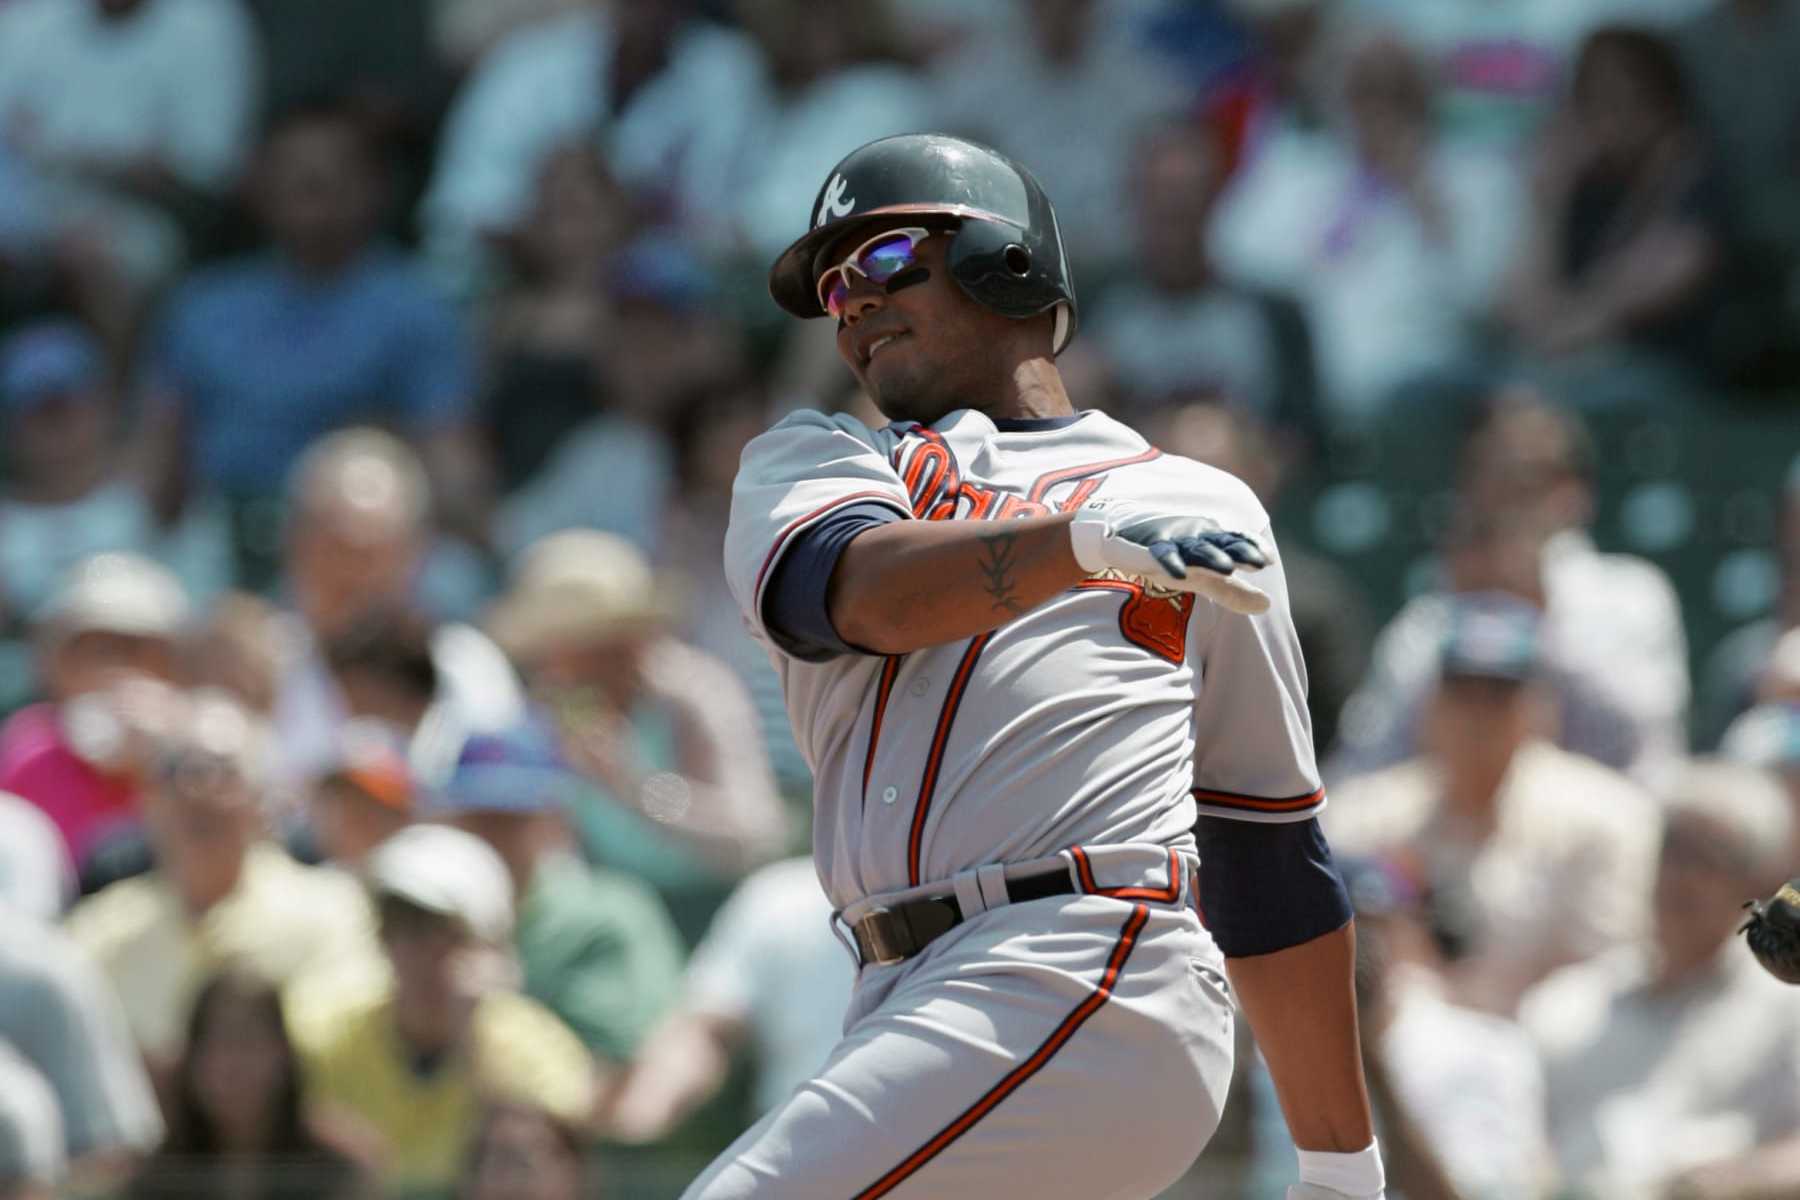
(391, 801)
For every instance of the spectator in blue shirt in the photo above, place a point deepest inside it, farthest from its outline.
(328, 328)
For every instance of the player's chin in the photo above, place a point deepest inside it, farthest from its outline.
(903, 395)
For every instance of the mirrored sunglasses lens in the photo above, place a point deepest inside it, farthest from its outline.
(886, 258)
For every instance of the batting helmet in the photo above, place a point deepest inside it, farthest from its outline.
(1006, 252)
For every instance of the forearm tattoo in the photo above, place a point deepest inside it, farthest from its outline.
(999, 565)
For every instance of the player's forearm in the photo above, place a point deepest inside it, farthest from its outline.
(1301, 1005)
(910, 584)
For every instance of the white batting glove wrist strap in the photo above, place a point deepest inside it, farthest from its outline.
(1087, 538)
(1358, 1175)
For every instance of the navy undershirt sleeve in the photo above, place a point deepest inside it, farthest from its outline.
(794, 608)
(1266, 886)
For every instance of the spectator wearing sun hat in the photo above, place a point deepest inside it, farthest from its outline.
(412, 1056)
(597, 947)
(680, 792)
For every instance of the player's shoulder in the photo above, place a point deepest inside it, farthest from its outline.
(809, 425)
(1155, 475)
(805, 440)
(1207, 489)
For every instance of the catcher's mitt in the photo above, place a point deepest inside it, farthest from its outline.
(1773, 932)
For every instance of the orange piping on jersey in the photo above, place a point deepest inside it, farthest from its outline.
(1134, 924)
(1164, 895)
(935, 760)
(1046, 482)
(1234, 800)
(799, 523)
(1079, 496)
(889, 670)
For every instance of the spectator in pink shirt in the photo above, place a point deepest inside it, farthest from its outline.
(106, 643)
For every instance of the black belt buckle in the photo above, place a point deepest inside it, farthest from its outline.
(883, 939)
(890, 935)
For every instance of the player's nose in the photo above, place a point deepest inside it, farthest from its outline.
(864, 298)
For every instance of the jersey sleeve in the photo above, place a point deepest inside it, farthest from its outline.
(796, 475)
(1253, 750)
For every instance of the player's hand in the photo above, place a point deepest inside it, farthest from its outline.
(1185, 552)
(1312, 1191)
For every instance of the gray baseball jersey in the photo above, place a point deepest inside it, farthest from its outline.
(1099, 717)
(1091, 730)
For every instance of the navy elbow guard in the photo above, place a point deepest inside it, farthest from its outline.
(1265, 887)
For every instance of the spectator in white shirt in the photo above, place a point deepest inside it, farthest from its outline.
(1390, 237)
(1488, 816)
(1674, 1066)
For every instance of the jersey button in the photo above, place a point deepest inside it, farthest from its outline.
(920, 686)
(889, 795)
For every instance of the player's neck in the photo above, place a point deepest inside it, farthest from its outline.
(1034, 391)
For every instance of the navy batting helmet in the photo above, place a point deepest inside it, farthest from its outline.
(1006, 252)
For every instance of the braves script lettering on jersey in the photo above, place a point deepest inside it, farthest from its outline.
(1088, 731)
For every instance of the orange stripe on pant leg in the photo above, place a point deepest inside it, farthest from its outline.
(1134, 924)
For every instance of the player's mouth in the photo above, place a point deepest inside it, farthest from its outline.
(878, 344)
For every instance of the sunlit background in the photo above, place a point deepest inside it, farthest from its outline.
(395, 803)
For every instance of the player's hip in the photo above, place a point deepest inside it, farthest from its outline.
(1121, 916)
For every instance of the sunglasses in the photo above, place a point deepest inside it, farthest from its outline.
(878, 260)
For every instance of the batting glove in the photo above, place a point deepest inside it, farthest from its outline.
(1186, 553)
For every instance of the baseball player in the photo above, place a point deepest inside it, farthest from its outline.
(1065, 782)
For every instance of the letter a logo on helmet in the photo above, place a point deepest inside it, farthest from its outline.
(1005, 249)
(832, 203)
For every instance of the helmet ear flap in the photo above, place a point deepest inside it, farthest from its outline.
(991, 262)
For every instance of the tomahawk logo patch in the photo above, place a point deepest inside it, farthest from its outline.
(834, 203)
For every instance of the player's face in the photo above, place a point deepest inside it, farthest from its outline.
(914, 339)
